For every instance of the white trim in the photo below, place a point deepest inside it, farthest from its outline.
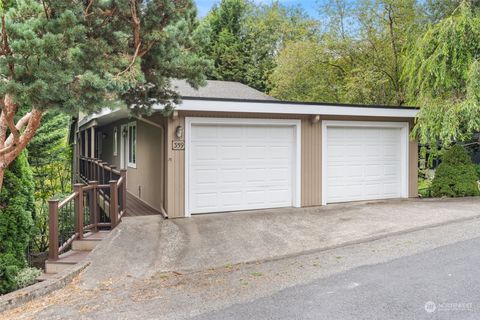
(110, 115)
(115, 141)
(123, 146)
(296, 190)
(130, 125)
(292, 108)
(404, 126)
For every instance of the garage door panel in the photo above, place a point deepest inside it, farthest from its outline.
(231, 152)
(363, 163)
(254, 167)
(231, 176)
(204, 132)
(205, 176)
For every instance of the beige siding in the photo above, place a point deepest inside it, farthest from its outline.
(146, 181)
(311, 163)
(311, 179)
(175, 199)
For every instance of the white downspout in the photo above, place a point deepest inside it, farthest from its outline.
(162, 208)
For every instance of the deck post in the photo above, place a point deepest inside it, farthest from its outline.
(94, 169)
(78, 210)
(113, 203)
(111, 172)
(94, 206)
(104, 176)
(123, 173)
(53, 229)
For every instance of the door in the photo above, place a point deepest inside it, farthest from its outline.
(237, 166)
(364, 162)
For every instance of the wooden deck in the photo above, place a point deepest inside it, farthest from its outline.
(136, 207)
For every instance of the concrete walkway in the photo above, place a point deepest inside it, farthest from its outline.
(143, 246)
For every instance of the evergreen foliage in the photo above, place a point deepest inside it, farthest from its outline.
(456, 176)
(84, 54)
(50, 157)
(244, 39)
(16, 210)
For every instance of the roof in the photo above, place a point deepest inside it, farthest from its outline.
(216, 89)
(229, 96)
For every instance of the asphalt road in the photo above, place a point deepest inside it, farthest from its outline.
(443, 283)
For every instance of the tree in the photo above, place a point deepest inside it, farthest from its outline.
(442, 75)
(50, 157)
(16, 210)
(306, 71)
(359, 56)
(223, 45)
(268, 30)
(245, 39)
(440, 9)
(85, 55)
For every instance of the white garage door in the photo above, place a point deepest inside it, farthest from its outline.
(364, 163)
(240, 167)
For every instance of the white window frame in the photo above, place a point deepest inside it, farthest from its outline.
(115, 141)
(132, 125)
(405, 140)
(297, 170)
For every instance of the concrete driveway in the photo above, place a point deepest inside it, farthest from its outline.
(143, 246)
(141, 270)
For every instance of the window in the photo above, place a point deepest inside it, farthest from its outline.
(115, 141)
(132, 144)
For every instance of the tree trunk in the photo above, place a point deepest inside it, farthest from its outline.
(12, 139)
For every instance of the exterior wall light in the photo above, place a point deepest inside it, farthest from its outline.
(179, 132)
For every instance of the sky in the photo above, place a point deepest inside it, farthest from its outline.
(310, 6)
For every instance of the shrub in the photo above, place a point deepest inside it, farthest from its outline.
(8, 271)
(477, 167)
(26, 277)
(456, 176)
(425, 188)
(17, 207)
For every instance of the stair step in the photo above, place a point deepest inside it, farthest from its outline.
(65, 261)
(89, 241)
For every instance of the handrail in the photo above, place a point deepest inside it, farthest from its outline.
(80, 211)
(67, 199)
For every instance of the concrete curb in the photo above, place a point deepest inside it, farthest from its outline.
(339, 245)
(20, 297)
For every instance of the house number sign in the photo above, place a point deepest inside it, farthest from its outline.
(178, 145)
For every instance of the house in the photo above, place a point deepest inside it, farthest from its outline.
(228, 147)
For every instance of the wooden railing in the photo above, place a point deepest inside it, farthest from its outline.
(93, 205)
(91, 169)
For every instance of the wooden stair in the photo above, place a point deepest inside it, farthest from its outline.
(80, 249)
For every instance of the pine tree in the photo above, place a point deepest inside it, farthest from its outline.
(85, 55)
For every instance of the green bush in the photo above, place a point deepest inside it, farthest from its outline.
(26, 277)
(17, 207)
(477, 167)
(456, 176)
(425, 188)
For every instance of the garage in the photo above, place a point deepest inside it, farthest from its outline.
(241, 164)
(364, 161)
